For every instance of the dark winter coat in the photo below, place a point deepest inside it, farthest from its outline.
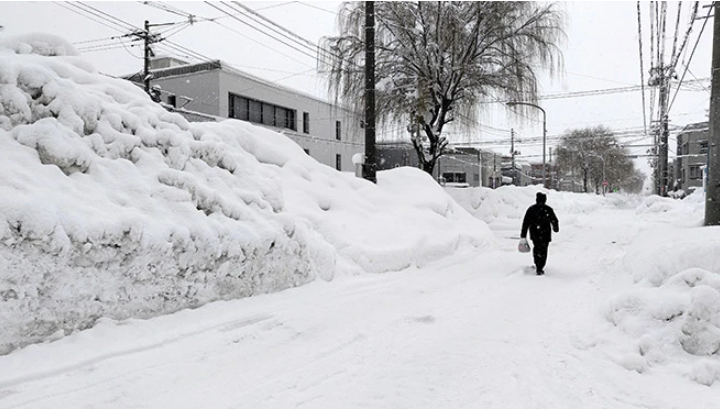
(539, 218)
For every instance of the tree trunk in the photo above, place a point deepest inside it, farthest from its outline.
(429, 167)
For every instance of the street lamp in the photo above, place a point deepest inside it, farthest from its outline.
(603, 170)
(514, 103)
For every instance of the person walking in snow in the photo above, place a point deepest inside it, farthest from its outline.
(539, 218)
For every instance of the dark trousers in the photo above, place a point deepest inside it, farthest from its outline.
(540, 253)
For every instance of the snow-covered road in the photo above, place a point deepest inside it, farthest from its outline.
(470, 330)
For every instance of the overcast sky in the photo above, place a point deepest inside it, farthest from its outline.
(601, 53)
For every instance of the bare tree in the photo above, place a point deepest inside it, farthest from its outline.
(437, 62)
(595, 153)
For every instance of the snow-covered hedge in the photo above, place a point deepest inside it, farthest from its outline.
(112, 207)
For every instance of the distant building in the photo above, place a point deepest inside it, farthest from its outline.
(460, 166)
(692, 152)
(214, 90)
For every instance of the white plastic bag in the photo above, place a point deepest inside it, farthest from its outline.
(523, 246)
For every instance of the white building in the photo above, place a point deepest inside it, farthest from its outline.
(328, 133)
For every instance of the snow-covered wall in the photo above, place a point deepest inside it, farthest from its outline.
(112, 207)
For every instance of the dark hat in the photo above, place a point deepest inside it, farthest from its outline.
(540, 198)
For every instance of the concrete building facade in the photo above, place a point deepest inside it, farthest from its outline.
(328, 133)
(692, 151)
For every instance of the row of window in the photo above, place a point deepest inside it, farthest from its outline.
(454, 177)
(695, 173)
(685, 148)
(260, 112)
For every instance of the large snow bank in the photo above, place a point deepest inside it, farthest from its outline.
(673, 314)
(37, 43)
(112, 207)
(511, 202)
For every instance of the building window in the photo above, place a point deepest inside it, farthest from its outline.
(682, 176)
(703, 147)
(268, 114)
(281, 116)
(695, 172)
(238, 108)
(338, 162)
(260, 112)
(306, 122)
(290, 120)
(454, 177)
(338, 127)
(255, 112)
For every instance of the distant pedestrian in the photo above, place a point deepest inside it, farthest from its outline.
(539, 218)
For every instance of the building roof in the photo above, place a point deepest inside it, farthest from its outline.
(222, 66)
(179, 70)
(698, 126)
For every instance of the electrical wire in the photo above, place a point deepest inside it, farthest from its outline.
(108, 17)
(317, 8)
(259, 30)
(692, 53)
(106, 24)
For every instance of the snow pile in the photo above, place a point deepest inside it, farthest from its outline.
(511, 202)
(674, 313)
(692, 204)
(38, 43)
(112, 207)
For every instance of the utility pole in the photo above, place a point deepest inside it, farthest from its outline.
(660, 77)
(552, 178)
(512, 152)
(494, 185)
(712, 196)
(664, 132)
(146, 66)
(369, 166)
(148, 39)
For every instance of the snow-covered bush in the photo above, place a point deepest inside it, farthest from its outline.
(112, 207)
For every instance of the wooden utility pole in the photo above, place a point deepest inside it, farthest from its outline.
(146, 67)
(664, 131)
(369, 166)
(512, 152)
(712, 196)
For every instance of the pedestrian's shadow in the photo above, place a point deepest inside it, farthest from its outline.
(524, 271)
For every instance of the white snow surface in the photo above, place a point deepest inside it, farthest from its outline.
(112, 207)
(126, 221)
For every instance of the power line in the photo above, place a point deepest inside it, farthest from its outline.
(104, 23)
(687, 66)
(163, 7)
(258, 29)
(110, 18)
(276, 5)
